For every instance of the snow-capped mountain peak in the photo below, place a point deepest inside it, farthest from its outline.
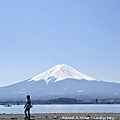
(60, 72)
(55, 83)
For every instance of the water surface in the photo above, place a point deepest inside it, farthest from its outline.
(89, 108)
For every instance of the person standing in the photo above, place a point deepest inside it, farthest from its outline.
(27, 107)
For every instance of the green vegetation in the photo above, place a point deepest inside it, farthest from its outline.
(65, 101)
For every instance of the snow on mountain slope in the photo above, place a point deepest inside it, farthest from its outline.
(60, 72)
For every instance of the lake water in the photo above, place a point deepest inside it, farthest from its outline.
(91, 108)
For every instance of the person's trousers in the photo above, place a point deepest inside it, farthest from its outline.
(27, 112)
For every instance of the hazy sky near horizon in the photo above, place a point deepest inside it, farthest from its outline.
(36, 35)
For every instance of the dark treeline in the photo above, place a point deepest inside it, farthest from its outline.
(65, 101)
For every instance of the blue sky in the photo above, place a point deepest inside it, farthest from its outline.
(36, 35)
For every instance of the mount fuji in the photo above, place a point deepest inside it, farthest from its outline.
(61, 72)
(61, 81)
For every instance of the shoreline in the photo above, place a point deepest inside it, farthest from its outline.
(63, 116)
